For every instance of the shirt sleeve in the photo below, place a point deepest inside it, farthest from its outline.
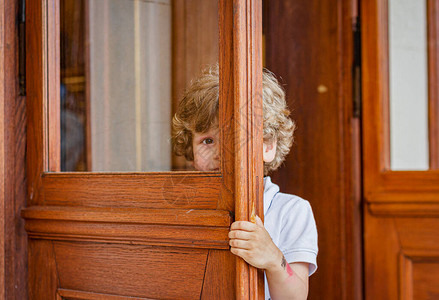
(299, 235)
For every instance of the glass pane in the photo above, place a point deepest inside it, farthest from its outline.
(124, 67)
(408, 85)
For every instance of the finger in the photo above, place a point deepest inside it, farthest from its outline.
(239, 252)
(241, 244)
(243, 225)
(259, 222)
(239, 234)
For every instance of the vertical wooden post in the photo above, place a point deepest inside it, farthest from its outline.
(52, 94)
(241, 92)
(433, 86)
(36, 152)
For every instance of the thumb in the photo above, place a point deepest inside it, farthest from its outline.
(259, 221)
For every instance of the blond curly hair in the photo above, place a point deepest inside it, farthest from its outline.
(198, 112)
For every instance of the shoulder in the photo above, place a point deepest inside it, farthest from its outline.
(289, 213)
(288, 204)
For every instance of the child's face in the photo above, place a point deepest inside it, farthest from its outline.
(206, 150)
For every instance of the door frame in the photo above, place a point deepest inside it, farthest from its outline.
(62, 198)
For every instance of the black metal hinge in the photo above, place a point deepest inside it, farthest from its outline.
(356, 69)
(22, 47)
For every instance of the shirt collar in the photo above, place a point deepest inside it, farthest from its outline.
(270, 190)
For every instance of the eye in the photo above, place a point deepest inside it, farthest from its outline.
(207, 141)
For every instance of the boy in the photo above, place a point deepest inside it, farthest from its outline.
(286, 248)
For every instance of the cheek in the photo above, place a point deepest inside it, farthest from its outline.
(202, 153)
(199, 158)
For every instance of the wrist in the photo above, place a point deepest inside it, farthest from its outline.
(275, 265)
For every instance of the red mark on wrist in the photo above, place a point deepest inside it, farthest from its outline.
(289, 270)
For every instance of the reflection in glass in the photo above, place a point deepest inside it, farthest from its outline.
(124, 63)
(408, 85)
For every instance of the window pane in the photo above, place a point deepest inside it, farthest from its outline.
(124, 66)
(408, 85)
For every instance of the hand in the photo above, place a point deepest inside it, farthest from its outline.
(253, 243)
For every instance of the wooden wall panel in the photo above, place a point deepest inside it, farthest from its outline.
(13, 240)
(309, 46)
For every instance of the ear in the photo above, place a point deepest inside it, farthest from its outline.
(269, 151)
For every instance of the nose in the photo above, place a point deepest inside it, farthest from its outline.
(216, 154)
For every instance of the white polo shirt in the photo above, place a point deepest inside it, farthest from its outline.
(290, 222)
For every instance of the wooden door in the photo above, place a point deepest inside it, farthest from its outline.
(310, 46)
(401, 208)
(159, 235)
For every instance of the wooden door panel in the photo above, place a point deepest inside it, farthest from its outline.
(176, 228)
(219, 270)
(42, 262)
(64, 294)
(424, 271)
(402, 257)
(78, 270)
(152, 190)
(131, 270)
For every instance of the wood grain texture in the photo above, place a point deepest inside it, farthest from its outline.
(123, 227)
(36, 152)
(424, 275)
(226, 105)
(433, 78)
(147, 190)
(401, 256)
(13, 240)
(378, 179)
(401, 207)
(87, 67)
(246, 130)
(191, 217)
(157, 273)
(309, 47)
(374, 92)
(81, 295)
(53, 77)
(404, 209)
(381, 276)
(218, 279)
(115, 231)
(42, 262)
(19, 249)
